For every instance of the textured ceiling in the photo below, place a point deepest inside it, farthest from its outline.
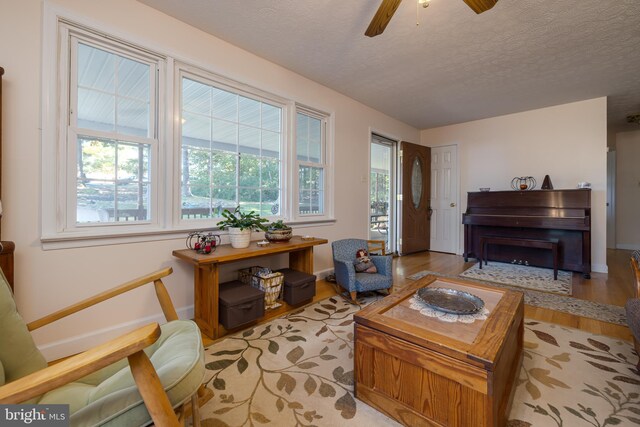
(455, 66)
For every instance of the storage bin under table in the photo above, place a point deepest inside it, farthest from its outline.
(240, 304)
(298, 286)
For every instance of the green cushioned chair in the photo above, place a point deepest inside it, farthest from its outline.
(151, 375)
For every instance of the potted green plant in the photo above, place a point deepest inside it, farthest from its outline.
(278, 231)
(240, 226)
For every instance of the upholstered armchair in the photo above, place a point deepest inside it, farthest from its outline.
(150, 375)
(632, 307)
(344, 256)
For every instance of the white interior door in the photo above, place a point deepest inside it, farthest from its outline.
(445, 217)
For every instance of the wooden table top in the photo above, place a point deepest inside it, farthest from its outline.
(225, 253)
(480, 341)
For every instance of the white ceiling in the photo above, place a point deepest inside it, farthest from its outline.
(455, 66)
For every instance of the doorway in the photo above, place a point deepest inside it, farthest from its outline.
(415, 209)
(382, 190)
(445, 217)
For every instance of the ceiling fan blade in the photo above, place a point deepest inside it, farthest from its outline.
(480, 6)
(382, 17)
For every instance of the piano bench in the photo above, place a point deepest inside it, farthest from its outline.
(551, 244)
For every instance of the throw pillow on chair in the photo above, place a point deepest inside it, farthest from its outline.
(363, 263)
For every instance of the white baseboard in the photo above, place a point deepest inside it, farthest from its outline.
(628, 246)
(77, 344)
(600, 268)
(322, 274)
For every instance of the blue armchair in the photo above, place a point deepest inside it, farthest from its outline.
(344, 255)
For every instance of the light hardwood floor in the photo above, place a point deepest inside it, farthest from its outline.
(612, 288)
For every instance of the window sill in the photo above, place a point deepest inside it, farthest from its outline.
(72, 240)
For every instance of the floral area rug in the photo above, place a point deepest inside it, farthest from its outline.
(523, 276)
(298, 371)
(583, 308)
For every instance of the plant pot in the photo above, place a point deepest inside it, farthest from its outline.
(278, 235)
(239, 238)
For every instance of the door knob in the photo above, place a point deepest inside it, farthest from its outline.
(453, 205)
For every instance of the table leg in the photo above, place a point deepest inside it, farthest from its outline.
(205, 296)
(302, 260)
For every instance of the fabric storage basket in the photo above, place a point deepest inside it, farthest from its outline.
(298, 286)
(239, 304)
(270, 282)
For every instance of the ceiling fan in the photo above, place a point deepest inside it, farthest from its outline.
(388, 8)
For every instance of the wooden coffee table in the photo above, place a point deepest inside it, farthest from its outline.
(423, 371)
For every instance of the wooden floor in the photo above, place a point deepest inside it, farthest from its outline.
(612, 288)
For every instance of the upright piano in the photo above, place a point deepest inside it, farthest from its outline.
(535, 214)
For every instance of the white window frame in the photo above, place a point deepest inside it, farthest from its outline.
(326, 160)
(59, 197)
(58, 165)
(208, 78)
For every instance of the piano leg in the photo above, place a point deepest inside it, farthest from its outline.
(586, 275)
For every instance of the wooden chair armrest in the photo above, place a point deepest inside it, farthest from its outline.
(163, 296)
(79, 365)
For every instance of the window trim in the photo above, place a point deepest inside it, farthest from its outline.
(200, 75)
(168, 226)
(73, 130)
(326, 162)
(59, 177)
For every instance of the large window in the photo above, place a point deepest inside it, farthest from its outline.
(128, 152)
(111, 110)
(231, 145)
(310, 156)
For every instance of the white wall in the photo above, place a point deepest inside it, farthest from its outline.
(567, 142)
(51, 279)
(627, 190)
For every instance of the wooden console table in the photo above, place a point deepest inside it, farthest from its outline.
(206, 281)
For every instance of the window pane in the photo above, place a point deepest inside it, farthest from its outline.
(271, 117)
(131, 161)
(302, 136)
(315, 140)
(133, 117)
(196, 130)
(223, 172)
(225, 135)
(270, 202)
(96, 68)
(244, 164)
(270, 173)
(249, 140)
(113, 181)
(271, 144)
(114, 92)
(96, 110)
(225, 104)
(249, 111)
(311, 185)
(133, 79)
(249, 171)
(196, 97)
(249, 199)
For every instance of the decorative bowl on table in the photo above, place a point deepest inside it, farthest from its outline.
(278, 231)
(275, 236)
